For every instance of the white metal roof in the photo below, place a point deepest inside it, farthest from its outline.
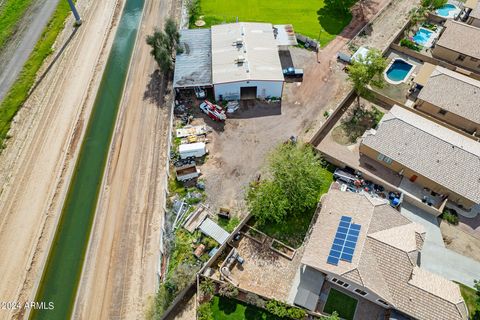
(245, 51)
(210, 228)
(191, 147)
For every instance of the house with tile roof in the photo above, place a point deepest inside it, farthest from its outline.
(384, 267)
(427, 155)
(473, 6)
(449, 96)
(459, 44)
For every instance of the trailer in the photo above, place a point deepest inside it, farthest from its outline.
(192, 150)
(194, 139)
(191, 131)
(187, 172)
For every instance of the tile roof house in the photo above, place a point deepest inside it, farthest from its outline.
(474, 16)
(451, 97)
(384, 268)
(459, 44)
(427, 154)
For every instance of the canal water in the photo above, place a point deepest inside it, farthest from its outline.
(62, 272)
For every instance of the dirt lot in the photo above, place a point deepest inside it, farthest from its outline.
(37, 164)
(238, 148)
(460, 241)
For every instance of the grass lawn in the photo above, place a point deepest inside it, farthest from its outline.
(340, 302)
(231, 309)
(470, 297)
(308, 17)
(293, 228)
(10, 13)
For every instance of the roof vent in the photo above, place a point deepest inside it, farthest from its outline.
(241, 59)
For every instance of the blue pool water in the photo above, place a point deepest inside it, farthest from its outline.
(422, 36)
(398, 70)
(445, 10)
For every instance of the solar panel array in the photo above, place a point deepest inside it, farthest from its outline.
(345, 240)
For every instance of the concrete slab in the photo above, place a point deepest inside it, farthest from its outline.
(428, 221)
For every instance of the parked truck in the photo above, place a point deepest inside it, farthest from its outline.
(192, 150)
(292, 72)
(187, 172)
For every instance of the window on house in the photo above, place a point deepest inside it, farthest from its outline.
(340, 283)
(461, 57)
(361, 292)
(382, 302)
(384, 158)
(442, 112)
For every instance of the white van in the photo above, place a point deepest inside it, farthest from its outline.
(196, 150)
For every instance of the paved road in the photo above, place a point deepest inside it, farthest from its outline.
(16, 53)
(435, 257)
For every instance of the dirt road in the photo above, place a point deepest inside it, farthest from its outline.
(123, 256)
(37, 164)
(19, 47)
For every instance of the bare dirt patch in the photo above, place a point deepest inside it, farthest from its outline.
(459, 241)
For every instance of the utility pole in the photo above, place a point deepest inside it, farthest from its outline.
(78, 21)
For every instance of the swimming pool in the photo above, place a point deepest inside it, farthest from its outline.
(423, 37)
(448, 11)
(398, 71)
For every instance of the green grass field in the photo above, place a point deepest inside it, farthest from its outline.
(10, 13)
(230, 309)
(309, 17)
(18, 93)
(340, 302)
(470, 297)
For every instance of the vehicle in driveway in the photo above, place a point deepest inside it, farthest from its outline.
(215, 112)
(200, 93)
(292, 72)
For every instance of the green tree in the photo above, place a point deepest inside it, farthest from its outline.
(341, 7)
(295, 183)
(367, 71)
(205, 312)
(433, 4)
(476, 315)
(165, 44)
(207, 287)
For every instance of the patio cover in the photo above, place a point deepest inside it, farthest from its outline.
(424, 74)
(308, 290)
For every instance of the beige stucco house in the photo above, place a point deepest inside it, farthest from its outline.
(459, 44)
(449, 96)
(385, 265)
(427, 154)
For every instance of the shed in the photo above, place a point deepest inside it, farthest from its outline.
(211, 229)
(193, 65)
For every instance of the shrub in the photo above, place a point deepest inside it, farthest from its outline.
(205, 312)
(283, 310)
(410, 44)
(228, 290)
(207, 287)
(255, 300)
(450, 215)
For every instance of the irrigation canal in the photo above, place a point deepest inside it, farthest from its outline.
(62, 272)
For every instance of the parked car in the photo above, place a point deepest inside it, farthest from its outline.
(292, 72)
(200, 93)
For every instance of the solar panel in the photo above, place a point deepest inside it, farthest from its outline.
(345, 241)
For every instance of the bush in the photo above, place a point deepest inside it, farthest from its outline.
(450, 215)
(228, 290)
(207, 287)
(283, 310)
(253, 299)
(205, 312)
(410, 44)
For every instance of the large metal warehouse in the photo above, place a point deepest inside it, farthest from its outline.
(239, 60)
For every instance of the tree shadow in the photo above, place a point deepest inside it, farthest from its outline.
(52, 63)
(156, 89)
(227, 306)
(333, 18)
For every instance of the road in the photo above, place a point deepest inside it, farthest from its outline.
(17, 50)
(37, 164)
(119, 274)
